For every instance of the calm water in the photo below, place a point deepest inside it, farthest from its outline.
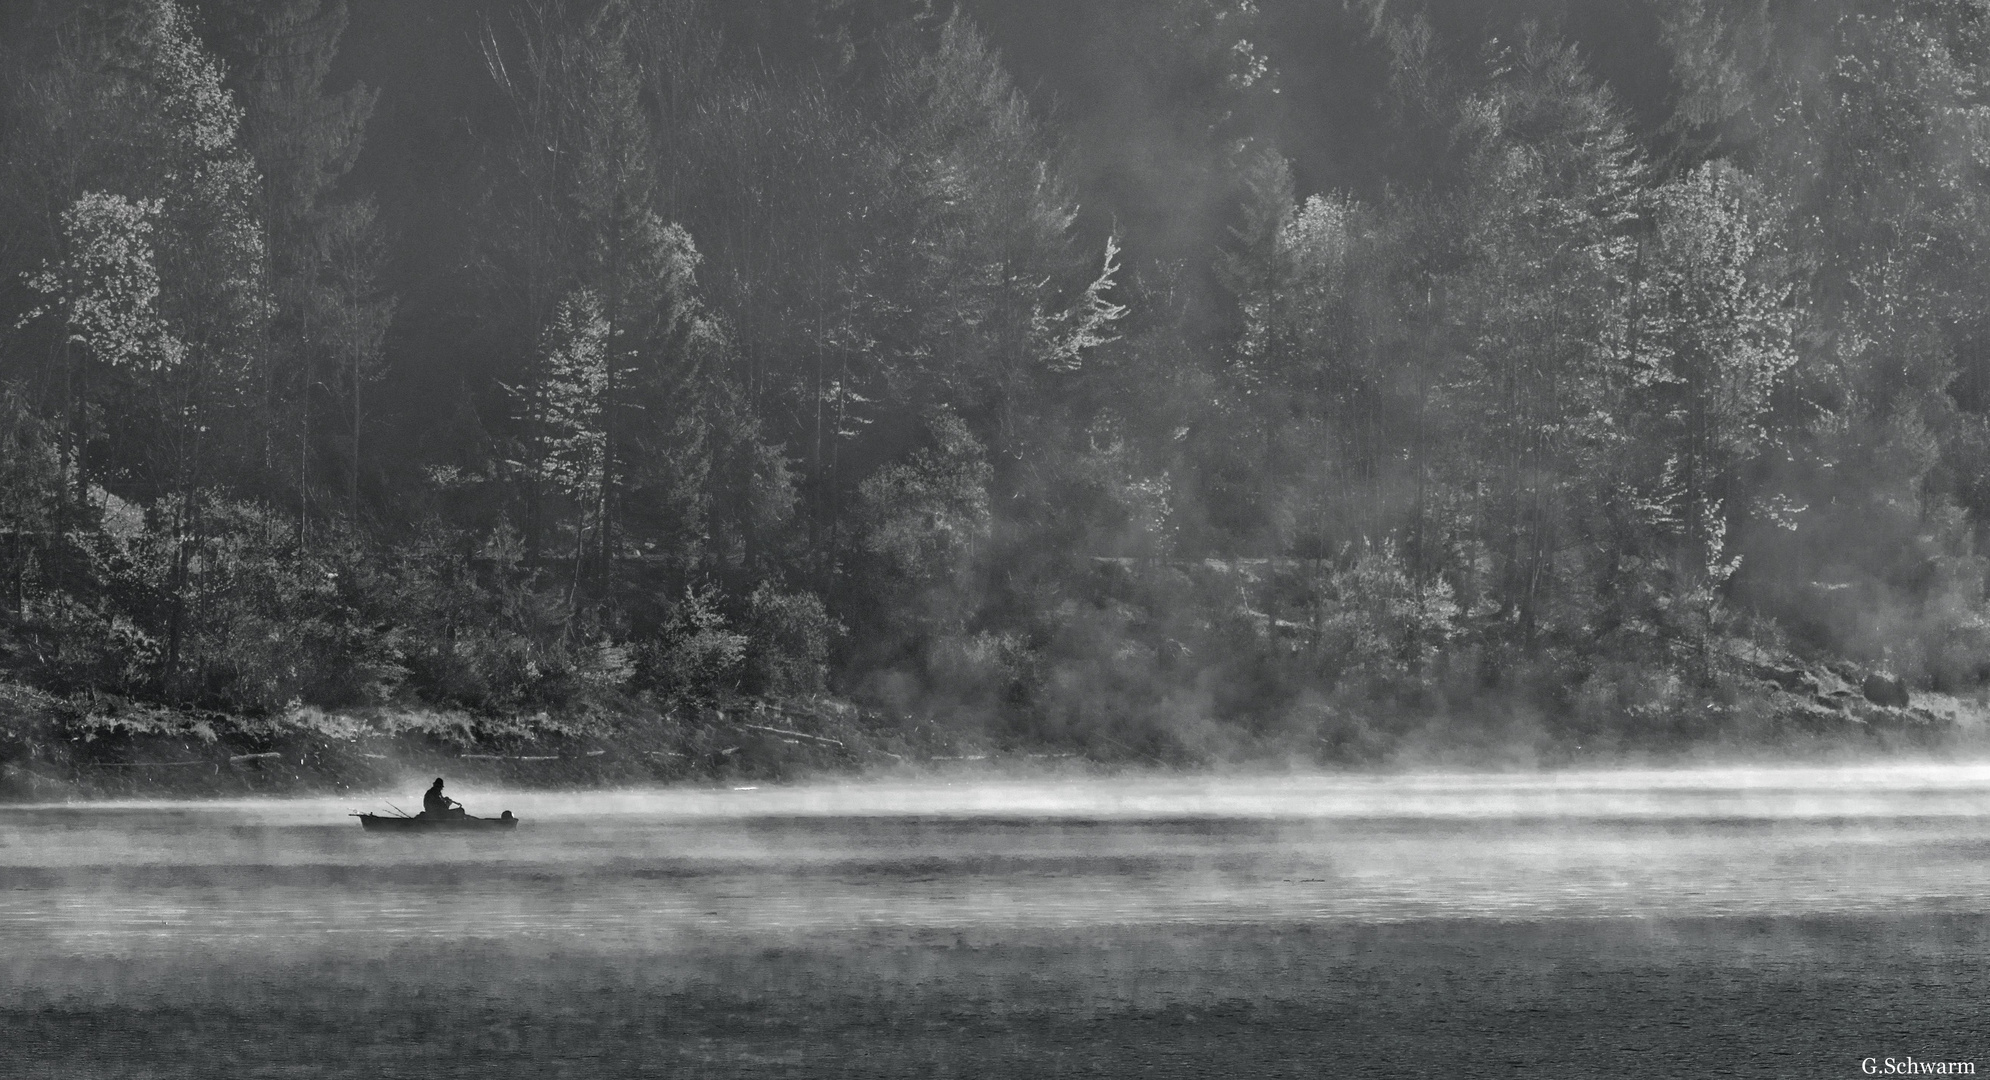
(653, 870)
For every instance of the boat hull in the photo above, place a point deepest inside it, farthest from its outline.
(380, 823)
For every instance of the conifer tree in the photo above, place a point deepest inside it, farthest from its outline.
(324, 253)
(631, 359)
(564, 406)
(352, 317)
(1547, 201)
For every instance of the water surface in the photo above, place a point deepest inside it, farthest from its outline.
(642, 869)
(1764, 921)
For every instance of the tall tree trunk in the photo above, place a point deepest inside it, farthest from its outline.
(75, 452)
(304, 389)
(610, 432)
(352, 467)
(185, 524)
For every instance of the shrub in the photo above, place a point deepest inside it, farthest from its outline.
(695, 658)
(789, 636)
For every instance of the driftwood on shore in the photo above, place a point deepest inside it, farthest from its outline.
(792, 734)
(233, 759)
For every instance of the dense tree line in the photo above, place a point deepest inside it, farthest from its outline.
(789, 347)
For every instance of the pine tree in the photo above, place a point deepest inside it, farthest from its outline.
(352, 317)
(640, 268)
(1547, 202)
(565, 406)
(325, 320)
(631, 359)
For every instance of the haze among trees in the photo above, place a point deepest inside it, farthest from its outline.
(1177, 379)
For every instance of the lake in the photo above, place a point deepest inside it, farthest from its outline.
(1743, 921)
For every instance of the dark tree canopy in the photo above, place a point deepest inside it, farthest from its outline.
(1186, 377)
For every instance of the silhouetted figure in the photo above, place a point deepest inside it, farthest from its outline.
(436, 804)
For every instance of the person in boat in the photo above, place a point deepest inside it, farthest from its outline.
(436, 804)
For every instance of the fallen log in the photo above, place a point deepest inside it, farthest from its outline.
(509, 757)
(791, 734)
(237, 759)
(788, 710)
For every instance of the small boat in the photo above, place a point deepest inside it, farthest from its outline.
(427, 823)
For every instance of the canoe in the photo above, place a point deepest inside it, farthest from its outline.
(424, 823)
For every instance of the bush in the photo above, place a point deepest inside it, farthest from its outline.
(696, 658)
(483, 632)
(789, 636)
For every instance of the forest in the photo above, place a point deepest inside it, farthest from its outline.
(1166, 380)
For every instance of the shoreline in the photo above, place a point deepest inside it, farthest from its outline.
(91, 748)
(318, 771)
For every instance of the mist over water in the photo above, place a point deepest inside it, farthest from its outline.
(665, 869)
(1640, 923)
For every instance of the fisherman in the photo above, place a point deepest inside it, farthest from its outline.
(436, 804)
